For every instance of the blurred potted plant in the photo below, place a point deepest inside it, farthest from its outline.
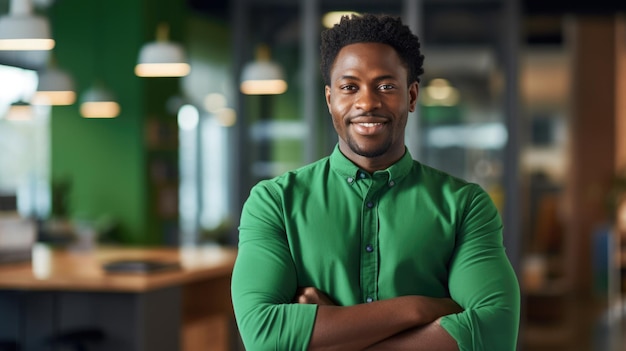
(58, 229)
(217, 235)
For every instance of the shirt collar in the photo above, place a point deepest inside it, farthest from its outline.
(346, 169)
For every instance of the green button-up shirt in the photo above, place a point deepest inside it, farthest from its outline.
(360, 237)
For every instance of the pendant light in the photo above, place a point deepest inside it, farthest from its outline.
(262, 76)
(439, 92)
(333, 17)
(55, 87)
(20, 111)
(21, 30)
(162, 58)
(98, 102)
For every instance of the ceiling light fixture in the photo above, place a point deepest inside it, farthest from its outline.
(162, 58)
(55, 87)
(20, 111)
(439, 92)
(262, 76)
(21, 30)
(333, 17)
(98, 102)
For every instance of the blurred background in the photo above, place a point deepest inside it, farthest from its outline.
(526, 98)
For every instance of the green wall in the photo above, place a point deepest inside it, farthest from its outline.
(105, 159)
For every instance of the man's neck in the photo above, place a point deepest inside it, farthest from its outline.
(372, 164)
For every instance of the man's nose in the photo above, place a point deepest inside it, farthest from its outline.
(368, 100)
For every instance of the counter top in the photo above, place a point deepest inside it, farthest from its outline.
(67, 270)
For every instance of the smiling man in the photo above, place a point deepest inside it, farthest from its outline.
(368, 249)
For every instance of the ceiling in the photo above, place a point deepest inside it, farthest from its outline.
(467, 21)
(445, 21)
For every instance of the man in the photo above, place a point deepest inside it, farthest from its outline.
(368, 249)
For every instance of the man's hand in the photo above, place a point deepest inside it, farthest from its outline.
(311, 295)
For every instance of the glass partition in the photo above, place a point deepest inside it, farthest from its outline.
(24, 143)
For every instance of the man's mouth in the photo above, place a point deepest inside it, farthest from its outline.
(369, 124)
(367, 128)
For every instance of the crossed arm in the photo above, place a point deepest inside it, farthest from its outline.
(402, 323)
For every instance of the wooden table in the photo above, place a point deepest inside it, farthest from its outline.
(63, 290)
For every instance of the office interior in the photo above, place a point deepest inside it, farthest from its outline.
(522, 97)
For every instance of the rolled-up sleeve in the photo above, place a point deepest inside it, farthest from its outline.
(483, 282)
(264, 279)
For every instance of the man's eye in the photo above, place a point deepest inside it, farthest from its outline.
(386, 86)
(348, 87)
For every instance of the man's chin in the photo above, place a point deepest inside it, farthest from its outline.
(369, 152)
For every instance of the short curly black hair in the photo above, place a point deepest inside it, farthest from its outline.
(370, 28)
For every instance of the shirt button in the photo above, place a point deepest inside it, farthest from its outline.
(370, 204)
(361, 175)
(350, 179)
(369, 248)
(391, 183)
(369, 299)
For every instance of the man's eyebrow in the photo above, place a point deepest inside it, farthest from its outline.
(386, 76)
(383, 77)
(348, 77)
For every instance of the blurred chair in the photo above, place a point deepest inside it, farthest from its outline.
(77, 340)
(9, 345)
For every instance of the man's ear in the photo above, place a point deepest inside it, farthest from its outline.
(413, 94)
(327, 94)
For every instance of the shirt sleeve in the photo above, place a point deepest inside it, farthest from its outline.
(264, 279)
(483, 282)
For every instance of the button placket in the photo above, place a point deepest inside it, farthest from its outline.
(369, 260)
(376, 185)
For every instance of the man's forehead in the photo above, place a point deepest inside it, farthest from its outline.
(372, 59)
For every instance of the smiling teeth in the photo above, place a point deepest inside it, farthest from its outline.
(370, 124)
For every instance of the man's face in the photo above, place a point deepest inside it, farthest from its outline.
(369, 101)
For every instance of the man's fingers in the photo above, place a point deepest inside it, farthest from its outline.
(303, 299)
(310, 295)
